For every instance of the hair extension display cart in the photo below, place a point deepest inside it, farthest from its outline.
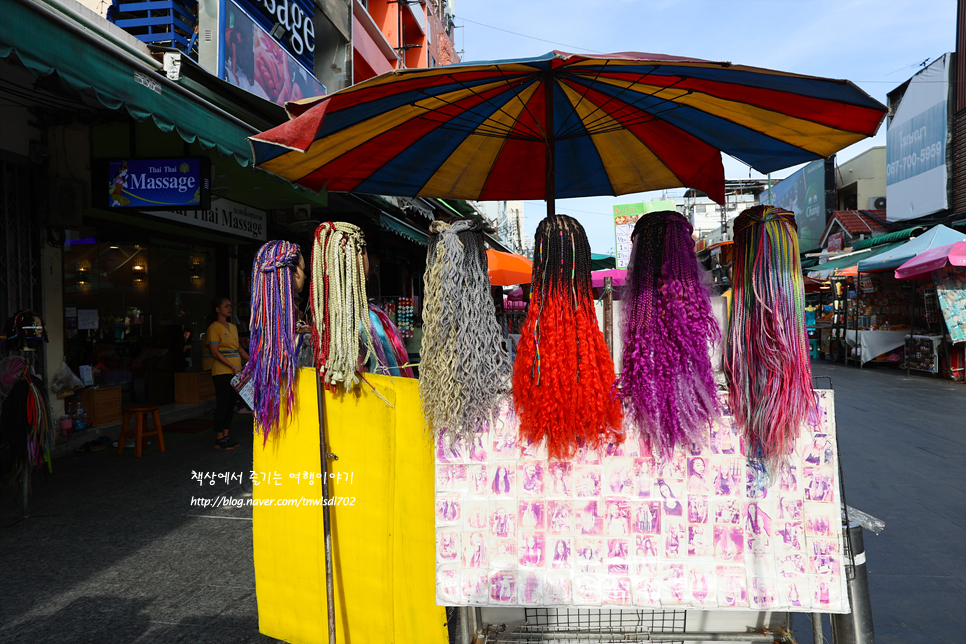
(560, 126)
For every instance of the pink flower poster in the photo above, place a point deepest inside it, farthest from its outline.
(620, 528)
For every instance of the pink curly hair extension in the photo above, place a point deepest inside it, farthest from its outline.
(667, 382)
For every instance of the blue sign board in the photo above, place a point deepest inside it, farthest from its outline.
(292, 20)
(257, 63)
(158, 184)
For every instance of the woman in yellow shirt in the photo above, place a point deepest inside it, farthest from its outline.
(227, 355)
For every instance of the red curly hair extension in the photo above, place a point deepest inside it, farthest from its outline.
(563, 376)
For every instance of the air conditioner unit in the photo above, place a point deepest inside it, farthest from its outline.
(877, 203)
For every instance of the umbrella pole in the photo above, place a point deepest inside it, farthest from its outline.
(550, 181)
(609, 315)
(326, 521)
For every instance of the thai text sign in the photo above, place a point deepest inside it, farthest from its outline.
(224, 216)
(625, 218)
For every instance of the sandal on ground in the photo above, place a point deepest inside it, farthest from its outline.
(224, 444)
(90, 446)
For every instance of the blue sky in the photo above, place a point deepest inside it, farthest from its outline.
(877, 44)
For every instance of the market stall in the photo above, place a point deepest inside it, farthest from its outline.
(557, 126)
(945, 266)
(885, 310)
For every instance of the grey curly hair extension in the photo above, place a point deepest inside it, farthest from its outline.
(464, 371)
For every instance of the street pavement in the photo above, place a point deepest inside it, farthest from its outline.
(902, 445)
(113, 550)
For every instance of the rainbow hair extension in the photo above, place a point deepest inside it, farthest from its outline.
(563, 377)
(272, 345)
(667, 381)
(767, 363)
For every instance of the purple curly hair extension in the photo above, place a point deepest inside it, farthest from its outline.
(667, 381)
(272, 345)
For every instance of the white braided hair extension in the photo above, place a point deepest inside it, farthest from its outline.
(464, 366)
(339, 304)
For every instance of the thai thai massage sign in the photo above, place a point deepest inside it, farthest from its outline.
(621, 530)
(148, 184)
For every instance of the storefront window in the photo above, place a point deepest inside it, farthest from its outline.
(135, 312)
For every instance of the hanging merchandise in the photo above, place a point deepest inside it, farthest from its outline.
(767, 363)
(464, 370)
(24, 331)
(272, 362)
(339, 305)
(405, 311)
(668, 328)
(25, 424)
(563, 377)
(391, 355)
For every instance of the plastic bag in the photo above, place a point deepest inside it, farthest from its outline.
(867, 521)
(65, 381)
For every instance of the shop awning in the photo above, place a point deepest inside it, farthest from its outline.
(599, 262)
(404, 230)
(47, 43)
(890, 238)
(824, 271)
(933, 238)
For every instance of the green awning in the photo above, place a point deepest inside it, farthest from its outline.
(403, 229)
(45, 45)
(810, 262)
(898, 236)
(853, 260)
(600, 262)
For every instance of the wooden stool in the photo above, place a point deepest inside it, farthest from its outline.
(138, 434)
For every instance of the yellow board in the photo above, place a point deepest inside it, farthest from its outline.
(382, 529)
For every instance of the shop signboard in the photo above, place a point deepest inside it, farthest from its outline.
(224, 216)
(625, 218)
(621, 529)
(835, 242)
(916, 172)
(257, 63)
(951, 289)
(803, 193)
(154, 183)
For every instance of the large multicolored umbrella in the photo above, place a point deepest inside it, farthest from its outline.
(562, 125)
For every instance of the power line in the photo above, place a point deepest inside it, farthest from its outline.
(552, 42)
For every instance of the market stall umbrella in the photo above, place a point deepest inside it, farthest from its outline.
(617, 275)
(562, 125)
(921, 265)
(507, 269)
(933, 238)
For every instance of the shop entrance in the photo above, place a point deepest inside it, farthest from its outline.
(135, 312)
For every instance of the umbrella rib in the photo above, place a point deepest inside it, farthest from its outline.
(498, 108)
(573, 110)
(645, 117)
(585, 122)
(494, 133)
(628, 108)
(475, 126)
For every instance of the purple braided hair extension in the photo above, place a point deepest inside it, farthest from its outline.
(271, 348)
(667, 381)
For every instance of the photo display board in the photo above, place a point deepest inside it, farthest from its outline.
(619, 530)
